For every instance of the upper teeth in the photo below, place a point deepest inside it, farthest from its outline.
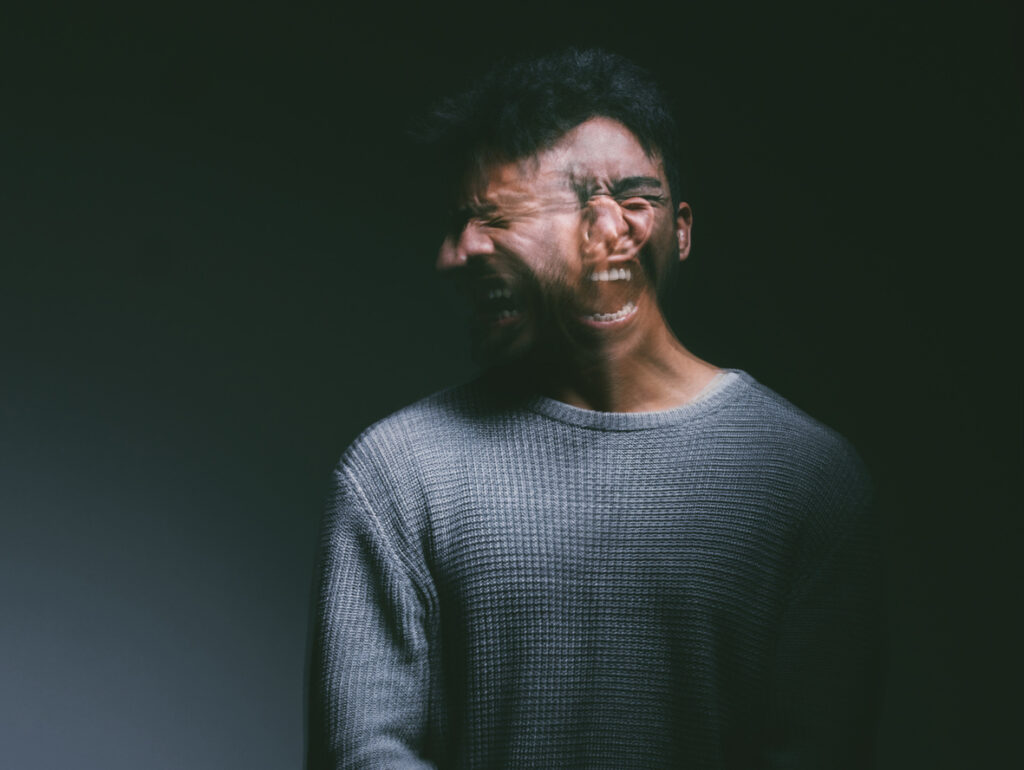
(618, 315)
(499, 293)
(615, 274)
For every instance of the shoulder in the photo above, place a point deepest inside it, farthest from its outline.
(772, 424)
(812, 461)
(396, 455)
(419, 427)
(381, 483)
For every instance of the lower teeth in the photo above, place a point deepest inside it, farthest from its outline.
(618, 315)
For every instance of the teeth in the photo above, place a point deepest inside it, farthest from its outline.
(618, 315)
(615, 274)
(508, 314)
(499, 293)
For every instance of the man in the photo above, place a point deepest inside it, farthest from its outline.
(605, 552)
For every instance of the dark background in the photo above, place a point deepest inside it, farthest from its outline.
(216, 268)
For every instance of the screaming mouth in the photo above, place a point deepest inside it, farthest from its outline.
(499, 306)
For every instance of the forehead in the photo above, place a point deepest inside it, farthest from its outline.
(602, 146)
(599, 150)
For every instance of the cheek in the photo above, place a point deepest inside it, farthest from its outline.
(555, 251)
(661, 254)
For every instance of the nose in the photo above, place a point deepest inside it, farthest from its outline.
(457, 248)
(604, 220)
(616, 231)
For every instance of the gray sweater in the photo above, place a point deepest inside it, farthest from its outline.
(526, 584)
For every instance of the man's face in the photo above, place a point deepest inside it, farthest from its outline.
(564, 248)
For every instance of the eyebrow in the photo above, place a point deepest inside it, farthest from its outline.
(586, 187)
(471, 210)
(631, 183)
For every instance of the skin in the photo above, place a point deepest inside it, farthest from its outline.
(594, 205)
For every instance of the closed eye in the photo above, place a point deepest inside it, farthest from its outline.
(640, 201)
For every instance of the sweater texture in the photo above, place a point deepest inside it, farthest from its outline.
(525, 584)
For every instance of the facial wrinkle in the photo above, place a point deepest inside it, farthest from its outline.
(587, 186)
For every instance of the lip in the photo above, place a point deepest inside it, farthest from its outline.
(500, 318)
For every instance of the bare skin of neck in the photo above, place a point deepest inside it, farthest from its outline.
(653, 379)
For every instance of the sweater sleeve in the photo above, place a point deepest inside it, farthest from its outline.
(827, 677)
(369, 687)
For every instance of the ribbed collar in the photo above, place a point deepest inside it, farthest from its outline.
(721, 389)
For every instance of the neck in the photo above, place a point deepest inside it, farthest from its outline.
(653, 373)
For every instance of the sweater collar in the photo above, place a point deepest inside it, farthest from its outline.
(717, 392)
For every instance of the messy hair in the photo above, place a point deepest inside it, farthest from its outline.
(515, 111)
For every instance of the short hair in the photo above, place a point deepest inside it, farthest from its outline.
(515, 111)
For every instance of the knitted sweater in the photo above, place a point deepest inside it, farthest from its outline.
(533, 585)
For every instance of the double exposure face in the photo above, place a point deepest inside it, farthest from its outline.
(564, 248)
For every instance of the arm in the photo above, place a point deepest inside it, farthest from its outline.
(827, 677)
(369, 687)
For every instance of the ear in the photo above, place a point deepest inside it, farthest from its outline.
(684, 227)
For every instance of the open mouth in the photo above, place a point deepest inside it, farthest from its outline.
(497, 304)
(610, 288)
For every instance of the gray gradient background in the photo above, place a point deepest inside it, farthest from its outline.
(215, 269)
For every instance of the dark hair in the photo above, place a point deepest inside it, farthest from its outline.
(515, 111)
